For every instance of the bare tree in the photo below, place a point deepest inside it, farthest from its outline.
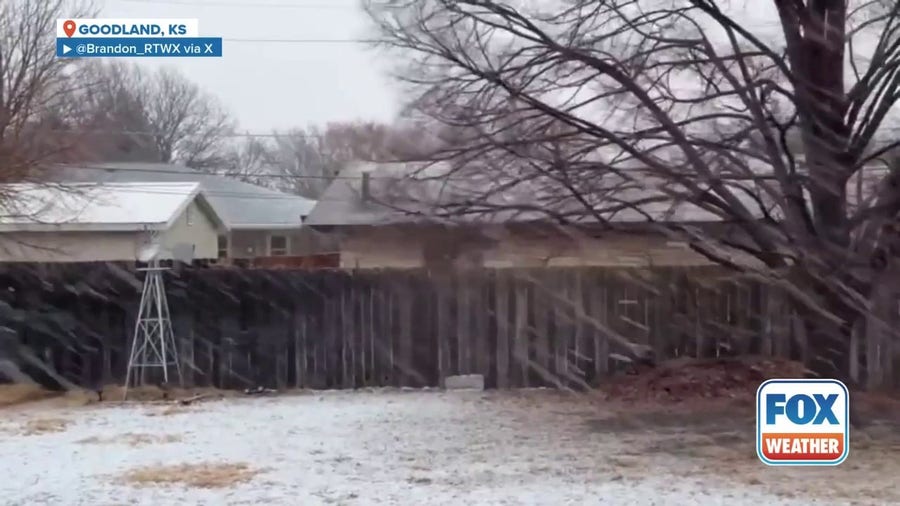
(32, 83)
(161, 116)
(303, 166)
(189, 125)
(745, 111)
(250, 160)
(109, 111)
(34, 130)
(308, 159)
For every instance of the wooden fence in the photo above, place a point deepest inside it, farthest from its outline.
(350, 329)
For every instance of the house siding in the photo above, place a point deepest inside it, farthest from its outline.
(68, 246)
(614, 250)
(387, 248)
(202, 233)
(106, 246)
(255, 243)
(362, 253)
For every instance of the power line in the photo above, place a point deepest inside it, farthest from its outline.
(305, 41)
(121, 185)
(328, 6)
(74, 188)
(265, 5)
(207, 192)
(113, 168)
(195, 173)
(279, 135)
(302, 135)
(83, 188)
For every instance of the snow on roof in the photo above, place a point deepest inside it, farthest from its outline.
(107, 207)
(238, 204)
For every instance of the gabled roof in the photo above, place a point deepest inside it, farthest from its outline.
(410, 193)
(110, 207)
(238, 204)
(400, 192)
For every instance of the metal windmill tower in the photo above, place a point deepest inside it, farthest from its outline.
(154, 343)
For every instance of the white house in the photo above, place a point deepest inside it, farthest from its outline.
(85, 222)
(259, 222)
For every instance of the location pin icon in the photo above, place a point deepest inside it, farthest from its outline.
(69, 28)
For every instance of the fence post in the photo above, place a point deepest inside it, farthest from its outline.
(501, 293)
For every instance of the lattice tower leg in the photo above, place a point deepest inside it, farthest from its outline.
(153, 344)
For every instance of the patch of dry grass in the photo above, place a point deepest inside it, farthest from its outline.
(21, 395)
(867, 475)
(176, 409)
(10, 395)
(717, 439)
(132, 439)
(116, 393)
(207, 475)
(39, 426)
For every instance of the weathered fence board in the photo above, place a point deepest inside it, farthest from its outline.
(350, 329)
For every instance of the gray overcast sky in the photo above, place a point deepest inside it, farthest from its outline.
(270, 85)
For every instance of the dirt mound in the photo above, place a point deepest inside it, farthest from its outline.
(683, 379)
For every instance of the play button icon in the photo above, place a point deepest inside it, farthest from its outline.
(65, 48)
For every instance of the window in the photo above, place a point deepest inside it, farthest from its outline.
(223, 246)
(189, 216)
(278, 246)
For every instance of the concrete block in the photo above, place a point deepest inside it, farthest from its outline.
(464, 382)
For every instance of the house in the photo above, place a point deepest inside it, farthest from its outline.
(81, 222)
(390, 215)
(258, 222)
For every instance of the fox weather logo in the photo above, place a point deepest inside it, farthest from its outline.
(802, 422)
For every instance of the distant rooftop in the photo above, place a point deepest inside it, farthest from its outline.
(402, 193)
(240, 205)
(411, 192)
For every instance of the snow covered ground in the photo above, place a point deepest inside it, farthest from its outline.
(385, 447)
